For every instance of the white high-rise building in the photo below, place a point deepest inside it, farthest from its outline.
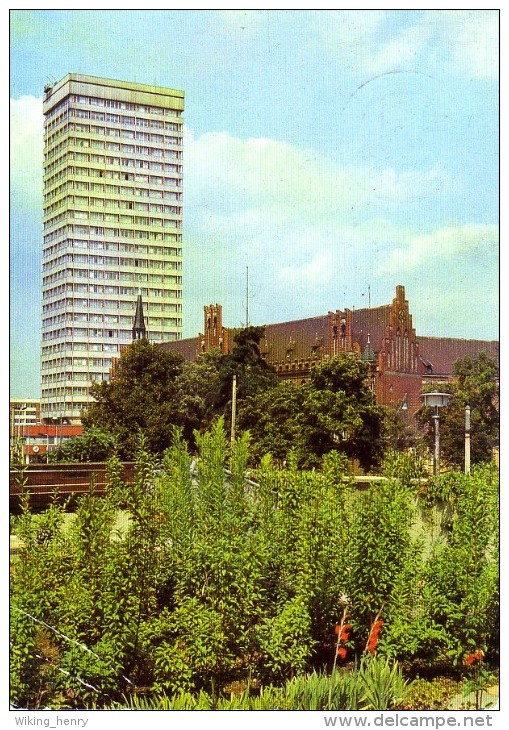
(112, 229)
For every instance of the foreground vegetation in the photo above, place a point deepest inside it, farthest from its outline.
(289, 589)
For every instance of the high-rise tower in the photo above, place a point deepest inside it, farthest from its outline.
(112, 229)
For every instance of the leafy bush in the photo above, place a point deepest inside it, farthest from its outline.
(462, 575)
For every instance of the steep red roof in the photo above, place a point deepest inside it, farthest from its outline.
(389, 328)
(188, 347)
(443, 352)
(372, 322)
(296, 338)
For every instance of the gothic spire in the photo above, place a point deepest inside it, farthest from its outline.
(139, 329)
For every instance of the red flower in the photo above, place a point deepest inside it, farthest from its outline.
(345, 632)
(373, 636)
(475, 656)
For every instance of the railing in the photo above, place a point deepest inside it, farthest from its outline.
(61, 482)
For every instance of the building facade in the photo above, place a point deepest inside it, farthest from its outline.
(112, 229)
(29, 436)
(399, 361)
(24, 412)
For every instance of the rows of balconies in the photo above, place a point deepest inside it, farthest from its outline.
(111, 206)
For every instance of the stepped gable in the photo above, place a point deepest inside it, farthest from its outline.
(385, 333)
(438, 354)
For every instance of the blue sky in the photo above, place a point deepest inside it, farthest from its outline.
(332, 152)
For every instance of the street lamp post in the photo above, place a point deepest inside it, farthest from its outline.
(41, 435)
(436, 400)
(234, 408)
(467, 439)
(21, 430)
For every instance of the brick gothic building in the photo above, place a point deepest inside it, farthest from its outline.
(399, 361)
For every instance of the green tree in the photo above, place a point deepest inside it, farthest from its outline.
(197, 390)
(335, 410)
(254, 374)
(271, 418)
(153, 390)
(141, 396)
(398, 432)
(475, 384)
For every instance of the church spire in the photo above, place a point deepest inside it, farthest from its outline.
(139, 329)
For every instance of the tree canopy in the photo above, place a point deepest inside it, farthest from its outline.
(153, 390)
(140, 396)
(254, 374)
(335, 410)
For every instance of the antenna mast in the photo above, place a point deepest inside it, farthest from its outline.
(247, 296)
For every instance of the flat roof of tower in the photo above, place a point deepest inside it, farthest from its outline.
(130, 91)
(118, 84)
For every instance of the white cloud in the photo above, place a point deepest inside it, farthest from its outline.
(229, 174)
(403, 51)
(347, 35)
(442, 246)
(288, 207)
(472, 37)
(465, 41)
(317, 271)
(26, 151)
(287, 213)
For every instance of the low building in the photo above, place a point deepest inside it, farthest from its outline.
(23, 412)
(399, 362)
(36, 440)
